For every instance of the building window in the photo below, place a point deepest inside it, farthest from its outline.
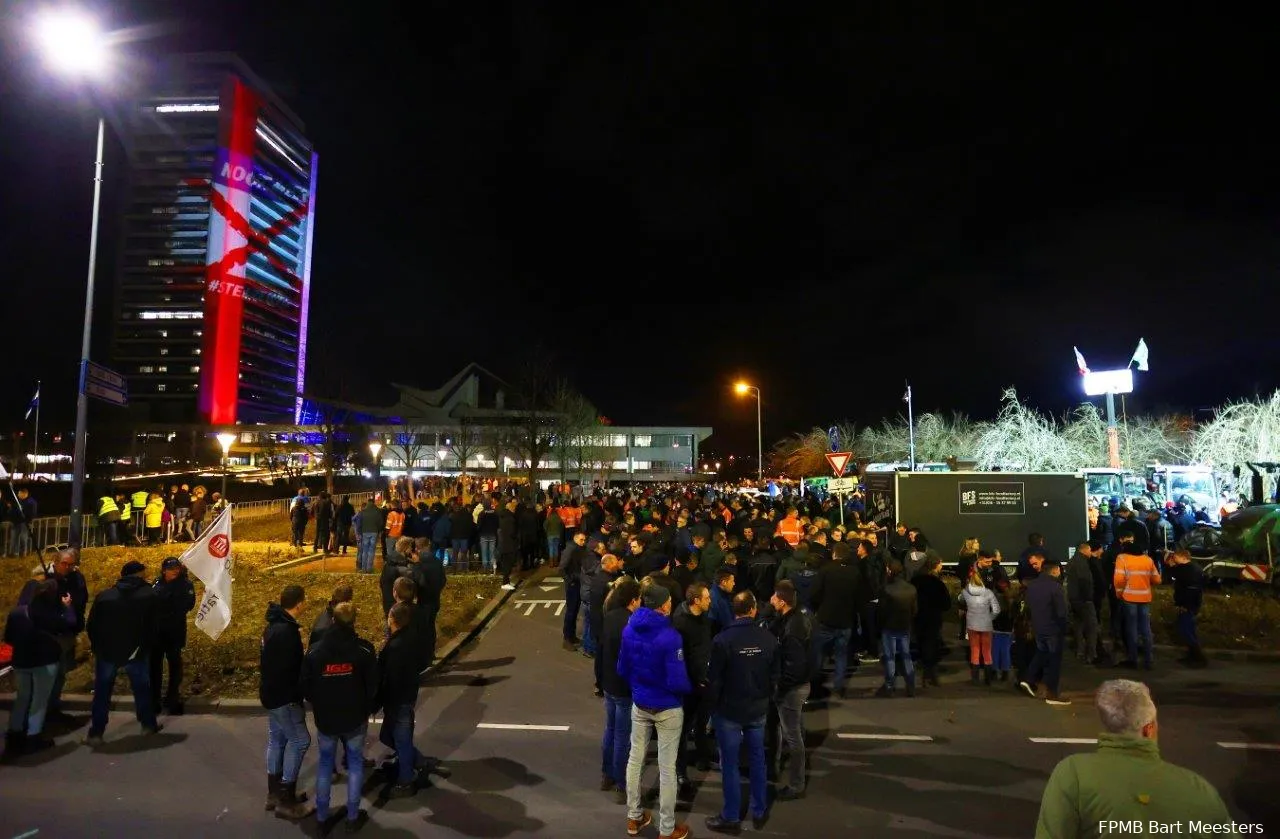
(160, 388)
(643, 441)
(146, 368)
(164, 350)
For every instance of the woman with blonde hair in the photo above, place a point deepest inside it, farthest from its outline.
(979, 606)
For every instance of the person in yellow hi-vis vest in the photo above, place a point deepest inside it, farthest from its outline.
(1135, 575)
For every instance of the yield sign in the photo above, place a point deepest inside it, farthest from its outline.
(838, 461)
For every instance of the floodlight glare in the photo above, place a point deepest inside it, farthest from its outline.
(1098, 382)
(72, 43)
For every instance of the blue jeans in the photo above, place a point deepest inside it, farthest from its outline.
(615, 748)
(588, 637)
(364, 553)
(1047, 661)
(460, 548)
(20, 539)
(893, 644)
(1187, 628)
(104, 680)
(287, 741)
(488, 550)
(35, 686)
(729, 735)
(553, 548)
(1137, 618)
(353, 742)
(1002, 651)
(572, 605)
(397, 733)
(825, 637)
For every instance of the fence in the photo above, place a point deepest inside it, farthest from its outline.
(49, 531)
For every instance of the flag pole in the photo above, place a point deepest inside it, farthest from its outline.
(35, 446)
(911, 430)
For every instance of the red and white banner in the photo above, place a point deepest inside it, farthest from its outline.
(209, 558)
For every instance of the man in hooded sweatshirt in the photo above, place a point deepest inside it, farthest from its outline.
(652, 662)
(288, 739)
(122, 630)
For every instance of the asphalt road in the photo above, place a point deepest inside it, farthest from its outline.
(515, 721)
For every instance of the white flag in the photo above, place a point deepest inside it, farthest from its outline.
(1140, 355)
(209, 558)
(1084, 368)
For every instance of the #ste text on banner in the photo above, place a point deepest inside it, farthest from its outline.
(209, 558)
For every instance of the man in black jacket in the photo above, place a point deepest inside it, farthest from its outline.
(616, 745)
(428, 574)
(1188, 592)
(66, 573)
(796, 663)
(609, 570)
(122, 629)
(279, 665)
(572, 562)
(694, 625)
(896, 616)
(744, 675)
(1047, 604)
(933, 601)
(508, 542)
(834, 601)
(340, 680)
(176, 597)
(398, 666)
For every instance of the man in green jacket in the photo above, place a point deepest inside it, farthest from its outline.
(1125, 780)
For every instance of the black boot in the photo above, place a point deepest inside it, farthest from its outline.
(911, 685)
(273, 792)
(986, 675)
(292, 806)
(973, 675)
(15, 743)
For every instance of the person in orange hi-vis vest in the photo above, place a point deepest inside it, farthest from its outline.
(1135, 575)
(790, 528)
(395, 522)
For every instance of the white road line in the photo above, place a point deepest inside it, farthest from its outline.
(1261, 747)
(913, 738)
(1073, 741)
(533, 604)
(502, 726)
(4, 671)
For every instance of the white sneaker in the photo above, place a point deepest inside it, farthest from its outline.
(508, 587)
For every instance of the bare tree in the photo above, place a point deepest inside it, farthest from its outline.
(464, 441)
(411, 445)
(572, 419)
(497, 441)
(534, 389)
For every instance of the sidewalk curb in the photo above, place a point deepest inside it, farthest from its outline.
(252, 707)
(1246, 656)
(302, 560)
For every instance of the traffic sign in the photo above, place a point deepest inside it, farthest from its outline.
(838, 461)
(99, 382)
(842, 484)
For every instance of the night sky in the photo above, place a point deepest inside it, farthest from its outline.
(669, 196)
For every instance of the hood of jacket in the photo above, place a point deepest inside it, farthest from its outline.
(975, 589)
(277, 614)
(128, 585)
(648, 623)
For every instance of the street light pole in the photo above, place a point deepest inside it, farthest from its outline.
(78, 465)
(743, 387)
(225, 439)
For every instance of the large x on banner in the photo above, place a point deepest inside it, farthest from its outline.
(239, 256)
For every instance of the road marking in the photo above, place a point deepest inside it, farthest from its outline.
(1261, 747)
(1073, 741)
(546, 604)
(547, 588)
(913, 738)
(554, 579)
(502, 726)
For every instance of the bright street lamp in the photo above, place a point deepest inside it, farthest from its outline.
(74, 45)
(742, 389)
(225, 439)
(375, 449)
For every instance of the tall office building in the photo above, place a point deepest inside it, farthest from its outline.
(215, 257)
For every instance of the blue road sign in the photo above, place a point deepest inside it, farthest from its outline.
(833, 437)
(100, 383)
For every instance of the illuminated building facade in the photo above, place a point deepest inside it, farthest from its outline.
(215, 271)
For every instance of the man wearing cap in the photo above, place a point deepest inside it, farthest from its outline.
(652, 661)
(175, 598)
(122, 628)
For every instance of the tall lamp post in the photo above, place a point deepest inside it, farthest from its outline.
(742, 389)
(74, 45)
(225, 439)
(375, 449)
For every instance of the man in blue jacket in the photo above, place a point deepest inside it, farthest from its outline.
(652, 662)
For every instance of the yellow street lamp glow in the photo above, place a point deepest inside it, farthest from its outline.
(374, 449)
(225, 439)
(742, 388)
